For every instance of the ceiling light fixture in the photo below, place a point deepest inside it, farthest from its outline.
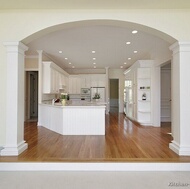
(121, 66)
(125, 62)
(69, 62)
(128, 42)
(134, 31)
(60, 52)
(73, 67)
(94, 66)
(93, 51)
(94, 58)
(135, 51)
(129, 58)
(66, 58)
(94, 63)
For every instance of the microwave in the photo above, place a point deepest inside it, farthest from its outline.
(85, 91)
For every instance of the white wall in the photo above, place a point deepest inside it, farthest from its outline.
(17, 25)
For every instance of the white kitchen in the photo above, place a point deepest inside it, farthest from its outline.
(83, 73)
(78, 105)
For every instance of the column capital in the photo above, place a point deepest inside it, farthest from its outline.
(15, 46)
(180, 46)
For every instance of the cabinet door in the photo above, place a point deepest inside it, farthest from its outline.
(52, 85)
(83, 81)
(101, 80)
(55, 81)
(94, 80)
(74, 85)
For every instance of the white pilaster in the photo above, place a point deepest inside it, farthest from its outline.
(15, 143)
(181, 98)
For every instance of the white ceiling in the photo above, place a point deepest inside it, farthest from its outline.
(94, 4)
(109, 41)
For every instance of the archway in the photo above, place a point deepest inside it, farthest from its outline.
(74, 24)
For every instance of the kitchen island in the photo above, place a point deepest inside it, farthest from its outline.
(84, 118)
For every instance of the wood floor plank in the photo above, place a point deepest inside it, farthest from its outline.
(125, 141)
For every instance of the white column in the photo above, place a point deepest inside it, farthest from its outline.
(15, 143)
(181, 98)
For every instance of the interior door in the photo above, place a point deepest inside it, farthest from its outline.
(33, 94)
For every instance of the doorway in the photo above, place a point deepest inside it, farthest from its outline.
(31, 100)
(114, 95)
(166, 93)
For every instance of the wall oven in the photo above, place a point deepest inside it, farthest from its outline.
(85, 94)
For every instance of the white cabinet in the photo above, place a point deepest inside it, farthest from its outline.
(74, 84)
(85, 80)
(98, 80)
(53, 78)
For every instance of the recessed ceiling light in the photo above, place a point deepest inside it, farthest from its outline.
(66, 58)
(134, 31)
(128, 42)
(94, 58)
(135, 51)
(60, 52)
(73, 67)
(94, 63)
(93, 51)
(125, 62)
(69, 62)
(121, 66)
(129, 58)
(94, 66)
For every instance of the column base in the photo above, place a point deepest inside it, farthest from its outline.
(14, 150)
(180, 150)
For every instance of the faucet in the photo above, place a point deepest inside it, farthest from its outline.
(53, 101)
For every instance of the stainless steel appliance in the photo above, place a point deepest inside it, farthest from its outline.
(85, 94)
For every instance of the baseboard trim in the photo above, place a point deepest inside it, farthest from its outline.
(180, 150)
(14, 150)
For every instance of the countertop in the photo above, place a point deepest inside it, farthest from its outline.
(70, 104)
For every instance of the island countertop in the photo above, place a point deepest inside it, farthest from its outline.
(70, 104)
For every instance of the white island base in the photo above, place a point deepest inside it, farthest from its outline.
(73, 120)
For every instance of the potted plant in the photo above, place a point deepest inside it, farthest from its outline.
(96, 96)
(63, 98)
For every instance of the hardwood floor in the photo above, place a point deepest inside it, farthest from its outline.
(124, 141)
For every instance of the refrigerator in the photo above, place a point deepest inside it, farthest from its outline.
(100, 91)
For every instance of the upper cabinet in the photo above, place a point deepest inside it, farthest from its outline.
(74, 84)
(98, 80)
(54, 78)
(85, 80)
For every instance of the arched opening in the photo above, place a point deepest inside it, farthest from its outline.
(119, 24)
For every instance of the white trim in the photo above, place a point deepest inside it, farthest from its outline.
(94, 166)
(14, 150)
(180, 150)
(31, 69)
(32, 56)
